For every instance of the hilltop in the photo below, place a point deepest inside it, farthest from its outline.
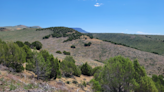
(80, 30)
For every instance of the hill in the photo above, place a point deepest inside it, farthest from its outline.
(18, 27)
(98, 50)
(148, 43)
(80, 30)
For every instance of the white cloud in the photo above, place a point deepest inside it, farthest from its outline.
(98, 4)
(139, 32)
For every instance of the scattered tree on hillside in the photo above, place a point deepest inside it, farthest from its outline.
(59, 52)
(87, 44)
(73, 46)
(46, 37)
(37, 44)
(66, 53)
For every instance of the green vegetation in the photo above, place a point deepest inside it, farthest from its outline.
(62, 32)
(46, 37)
(37, 45)
(73, 46)
(84, 84)
(86, 69)
(69, 68)
(41, 63)
(66, 53)
(11, 55)
(121, 75)
(74, 81)
(19, 43)
(59, 52)
(95, 69)
(44, 65)
(87, 44)
(148, 43)
(159, 82)
(27, 43)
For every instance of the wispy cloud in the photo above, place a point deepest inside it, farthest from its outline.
(98, 4)
(139, 32)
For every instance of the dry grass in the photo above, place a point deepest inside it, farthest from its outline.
(101, 51)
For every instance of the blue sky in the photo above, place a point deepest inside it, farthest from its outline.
(98, 16)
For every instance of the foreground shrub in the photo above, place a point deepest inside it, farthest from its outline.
(11, 55)
(95, 69)
(69, 68)
(44, 65)
(86, 69)
(119, 72)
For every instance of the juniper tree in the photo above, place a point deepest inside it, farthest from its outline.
(117, 75)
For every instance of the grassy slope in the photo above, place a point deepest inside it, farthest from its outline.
(99, 50)
(28, 34)
(148, 43)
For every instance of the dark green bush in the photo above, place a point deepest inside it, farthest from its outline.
(87, 44)
(68, 82)
(13, 56)
(19, 43)
(155, 52)
(86, 69)
(66, 53)
(74, 81)
(95, 69)
(46, 37)
(37, 44)
(27, 43)
(73, 46)
(69, 68)
(59, 52)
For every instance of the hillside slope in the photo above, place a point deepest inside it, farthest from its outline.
(98, 51)
(148, 43)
